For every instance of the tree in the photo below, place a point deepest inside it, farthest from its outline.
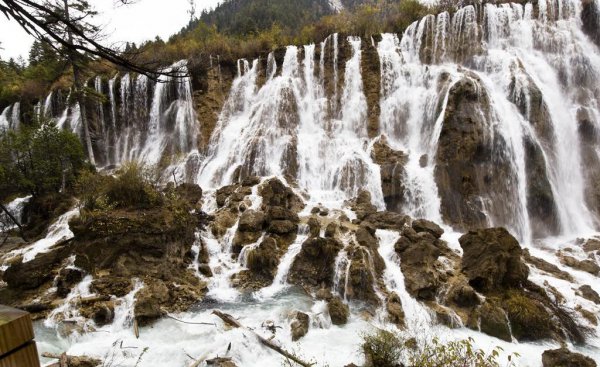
(65, 26)
(48, 21)
(39, 160)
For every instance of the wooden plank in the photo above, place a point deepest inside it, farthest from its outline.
(16, 329)
(26, 356)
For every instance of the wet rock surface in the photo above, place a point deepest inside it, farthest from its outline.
(492, 260)
(299, 325)
(392, 164)
(419, 254)
(338, 311)
(314, 265)
(117, 248)
(470, 165)
(564, 358)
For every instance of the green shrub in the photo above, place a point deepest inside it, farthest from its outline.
(135, 186)
(382, 349)
(528, 318)
(455, 354)
(385, 348)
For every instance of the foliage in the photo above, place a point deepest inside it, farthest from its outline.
(528, 318)
(133, 186)
(455, 354)
(382, 349)
(385, 348)
(39, 159)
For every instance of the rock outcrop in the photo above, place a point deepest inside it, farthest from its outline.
(564, 358)
(492, 260)
(419, 253)
(338, 311)
(152, 246)
(299, 325)
(473, 173)
(392, 164)
(314, 265)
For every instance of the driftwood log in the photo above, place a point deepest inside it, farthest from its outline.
(229, 320)
(65, 360)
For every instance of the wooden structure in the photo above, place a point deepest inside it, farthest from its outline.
(17, 345)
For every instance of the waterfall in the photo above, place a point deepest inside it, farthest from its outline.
(417, 315)
(284, 128)
(15, 208)
(138, 120)
(285, 264)
(10, 117)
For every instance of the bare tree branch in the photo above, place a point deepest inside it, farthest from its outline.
(42, 21)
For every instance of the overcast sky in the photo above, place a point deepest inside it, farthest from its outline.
(138, 22)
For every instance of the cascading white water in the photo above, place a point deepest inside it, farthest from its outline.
(15, 208)
(140, 120)
(10, 117)
(411, 120)
(286, 119)
(57, 232)
(285, 264)
(417, 315)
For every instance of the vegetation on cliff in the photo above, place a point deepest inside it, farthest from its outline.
(38, 160)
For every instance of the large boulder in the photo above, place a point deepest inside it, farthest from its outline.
(263, 258)
(419, 253)
(275, 193)
(338, 311)
(588, 293)
(191, 193)
(251, 221)
(473, 171)
(529, 318)
(391, 164)
(387, 220)
(490, 319)
(360, 282)
(564, 358)
(423, 225)
(149, 301)
(492, 260)
(314, 265)
(362, 205)
(299, 325)
(589, 266)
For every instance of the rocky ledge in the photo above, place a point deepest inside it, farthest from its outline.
(119, 250)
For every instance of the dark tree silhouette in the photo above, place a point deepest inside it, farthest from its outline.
(47, 21)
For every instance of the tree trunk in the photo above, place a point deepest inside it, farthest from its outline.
(77, 86)
(14, 220)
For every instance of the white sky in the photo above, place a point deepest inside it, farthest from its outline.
(141, 21)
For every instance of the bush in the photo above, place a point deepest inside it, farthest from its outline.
(528, 318)
(91, 188)
(382, 349)
(455, 354)
(39, 160)
(135, 186)
(385, 348)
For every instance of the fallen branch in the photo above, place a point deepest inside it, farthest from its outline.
(189, 322)
(15, 221)
(65, 360)
(136, 329)
(93, 299)
(229, 320)
(199, 361)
